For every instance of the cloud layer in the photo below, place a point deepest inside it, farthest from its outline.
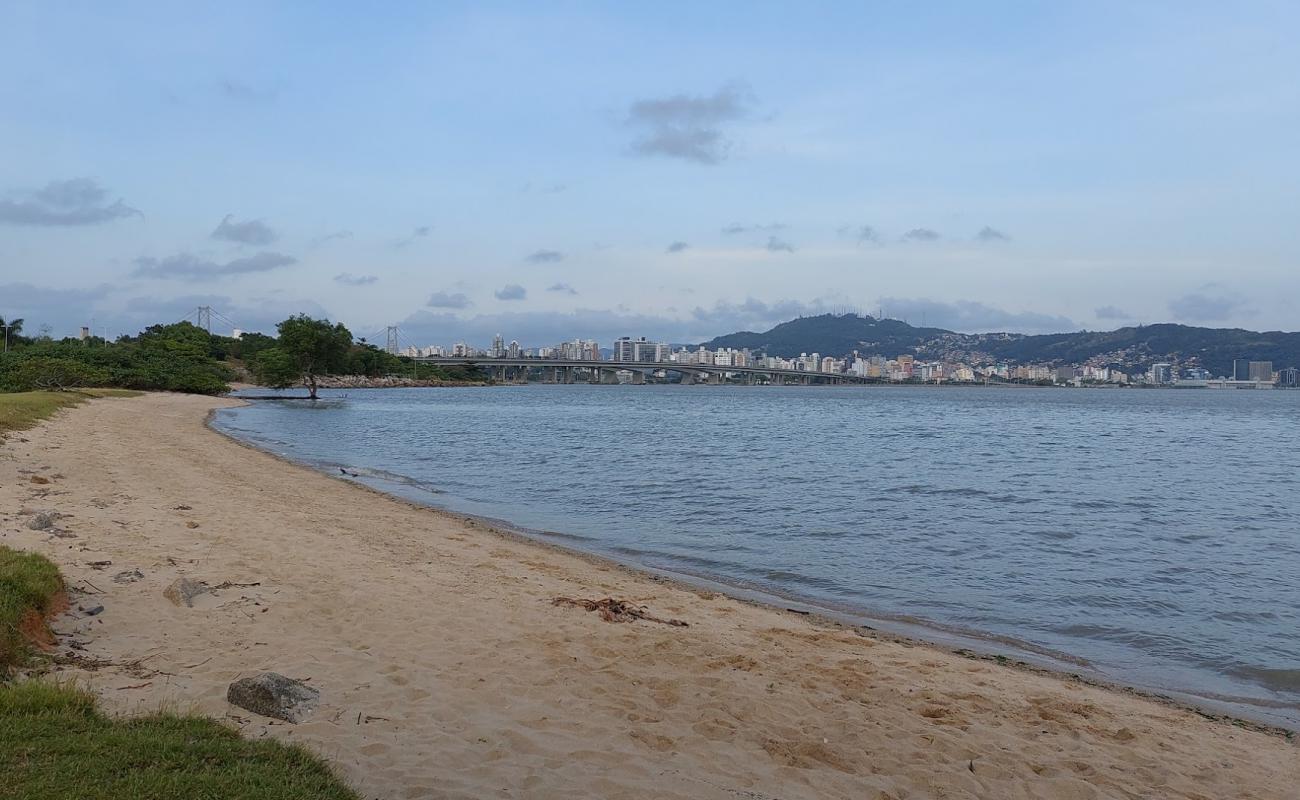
(544, 257)
(1211, 303)
(254, 231)
(79, 201)
(186, 266)
(688, 127)
(448, 300)
(348, 279)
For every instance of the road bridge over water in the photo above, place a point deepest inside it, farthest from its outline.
(563, 370)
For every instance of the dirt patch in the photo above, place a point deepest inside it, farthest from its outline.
(34, 627)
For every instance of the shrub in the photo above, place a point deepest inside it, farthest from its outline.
(41, 373)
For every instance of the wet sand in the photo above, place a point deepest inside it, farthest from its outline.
(446, 671)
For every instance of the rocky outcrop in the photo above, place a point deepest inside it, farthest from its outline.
(273, 695)
(383, 382)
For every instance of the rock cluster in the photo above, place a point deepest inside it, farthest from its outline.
(383, 382)
(273, 695)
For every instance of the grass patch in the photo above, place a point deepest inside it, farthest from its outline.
(28, 585)
(22, 410)
(54, 745)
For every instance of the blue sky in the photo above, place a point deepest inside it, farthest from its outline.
(673, 170)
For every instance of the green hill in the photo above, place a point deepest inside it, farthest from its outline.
(1132, 348)
(831, 335)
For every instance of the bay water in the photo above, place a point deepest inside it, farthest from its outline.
(1149, 537)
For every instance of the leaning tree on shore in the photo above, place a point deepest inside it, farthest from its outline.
(306, 348)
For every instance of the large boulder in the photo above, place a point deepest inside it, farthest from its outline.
(273, 695)
(182, 591)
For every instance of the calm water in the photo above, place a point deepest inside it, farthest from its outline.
(1154, 534)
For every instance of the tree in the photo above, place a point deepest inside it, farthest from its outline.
(13, 329)
(306, 349)
(276, 369)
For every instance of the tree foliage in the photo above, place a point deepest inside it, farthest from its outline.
(176, 358)
(313, 347)
(276, 369)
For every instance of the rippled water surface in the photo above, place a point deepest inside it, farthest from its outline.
(1155, 534)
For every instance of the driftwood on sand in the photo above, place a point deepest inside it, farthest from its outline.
(612, 610)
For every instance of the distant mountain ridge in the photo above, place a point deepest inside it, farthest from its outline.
(1130, 348)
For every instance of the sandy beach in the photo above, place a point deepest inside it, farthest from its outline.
(446, 671)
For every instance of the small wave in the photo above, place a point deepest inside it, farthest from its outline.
(385, 475)
(1278, 680)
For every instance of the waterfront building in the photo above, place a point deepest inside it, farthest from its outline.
(1240, 369)
(1160, 373)
(1289, 378)
(1260, 371)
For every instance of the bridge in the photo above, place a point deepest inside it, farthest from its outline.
(563, 370)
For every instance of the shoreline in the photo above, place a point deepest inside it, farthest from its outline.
(464, 680)
(905, 629)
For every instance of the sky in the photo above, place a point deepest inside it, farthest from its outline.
(673, 170)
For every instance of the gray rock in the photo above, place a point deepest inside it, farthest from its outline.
(128, 576)
(43, 521)
(273, 695)
(182, 591)
(91, 611)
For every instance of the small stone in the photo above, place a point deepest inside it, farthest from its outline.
(191, 524)
(44, 520)
(41, 479)
(128, 576)
(273, 695)
(93, 610)
(182, 591)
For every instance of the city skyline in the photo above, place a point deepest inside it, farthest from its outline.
(463, 168)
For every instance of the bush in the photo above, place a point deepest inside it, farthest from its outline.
(42, 373)
(176, 358)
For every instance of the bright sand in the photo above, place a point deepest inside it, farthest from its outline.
(446, 671)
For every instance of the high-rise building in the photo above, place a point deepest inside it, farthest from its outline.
(628, 349)
(498, 346)
(622, 349)
(1160, 373)
(1289, 377)
(1240, 369)
(1261, 371)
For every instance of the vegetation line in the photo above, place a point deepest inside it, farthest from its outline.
(186, 358)
(55, 744)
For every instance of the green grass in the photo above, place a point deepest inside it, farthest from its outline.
(54, 745)
(22, 410)
(28, 584)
